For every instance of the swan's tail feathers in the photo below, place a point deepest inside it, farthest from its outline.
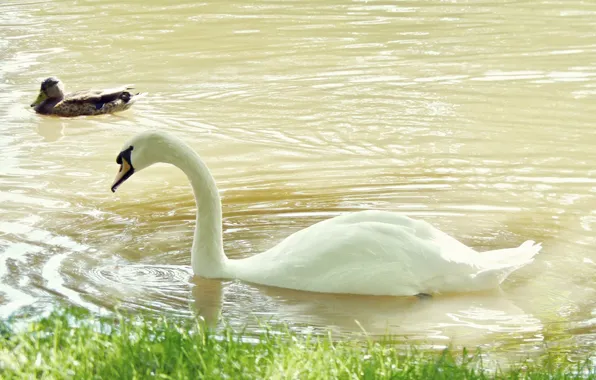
(526, 252)
(531, 248)
(521, 255)
(501, 263)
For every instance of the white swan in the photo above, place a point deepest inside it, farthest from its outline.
(367, 252)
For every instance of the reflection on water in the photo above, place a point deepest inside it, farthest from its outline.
(475, 117)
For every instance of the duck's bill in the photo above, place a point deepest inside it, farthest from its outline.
(126, 170)
(40, 98)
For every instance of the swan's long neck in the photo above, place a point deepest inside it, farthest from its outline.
(207, 258)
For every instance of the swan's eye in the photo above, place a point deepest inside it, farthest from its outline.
(126, 168)
(125, 153)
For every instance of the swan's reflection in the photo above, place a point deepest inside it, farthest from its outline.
(464, 319)
(208, 295)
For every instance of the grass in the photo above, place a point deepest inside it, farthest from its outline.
(73, 344)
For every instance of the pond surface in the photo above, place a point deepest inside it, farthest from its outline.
(478, 117)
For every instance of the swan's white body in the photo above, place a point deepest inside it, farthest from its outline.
(368, 252)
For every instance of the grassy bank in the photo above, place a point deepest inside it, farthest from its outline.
(73, 345)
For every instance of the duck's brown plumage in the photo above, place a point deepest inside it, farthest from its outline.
(53, 101)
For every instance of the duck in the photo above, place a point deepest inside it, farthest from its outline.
(52, 100)
(370, 252)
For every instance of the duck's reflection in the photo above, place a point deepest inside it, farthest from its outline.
(51, 130)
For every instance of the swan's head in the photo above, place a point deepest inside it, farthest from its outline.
(143, 150)
(51, 88)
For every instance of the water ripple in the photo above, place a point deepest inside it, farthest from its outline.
(163, 278)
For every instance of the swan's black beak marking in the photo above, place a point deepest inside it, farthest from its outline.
(126, 168)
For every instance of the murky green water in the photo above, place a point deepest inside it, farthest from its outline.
(477, 117)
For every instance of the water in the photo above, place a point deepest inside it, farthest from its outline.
(476, 117)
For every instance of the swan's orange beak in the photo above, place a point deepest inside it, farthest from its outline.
(126, 169)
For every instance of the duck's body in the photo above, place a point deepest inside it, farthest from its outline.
(369, 252)
(53, 101)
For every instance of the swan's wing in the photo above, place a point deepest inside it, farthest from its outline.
(361, 254)
(451, 248)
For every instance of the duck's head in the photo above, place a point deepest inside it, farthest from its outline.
(51, 88)
(143, 150)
